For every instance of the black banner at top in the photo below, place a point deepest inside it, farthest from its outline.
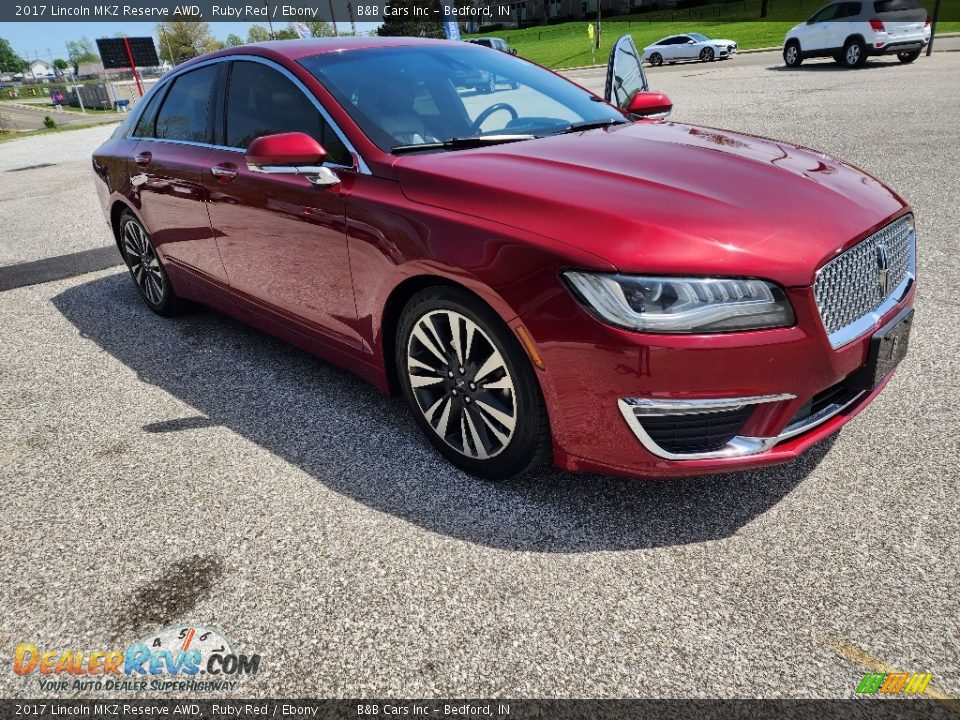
(506, 13)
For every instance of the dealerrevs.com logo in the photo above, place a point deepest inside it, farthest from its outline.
(182, 658)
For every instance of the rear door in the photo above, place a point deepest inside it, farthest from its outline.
(173, 145)
(282, 239)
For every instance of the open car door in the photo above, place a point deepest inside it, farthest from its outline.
(627, 86)
(625, 76)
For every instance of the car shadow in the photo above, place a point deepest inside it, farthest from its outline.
(345, 434)
(828, 65)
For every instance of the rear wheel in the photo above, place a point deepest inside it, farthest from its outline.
(470, 385)
(146, 270)
(854, 53)
(656, 59)
(908, 57)
(707, 55)
(791, 54)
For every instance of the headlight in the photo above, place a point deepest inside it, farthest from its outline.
(681, 305)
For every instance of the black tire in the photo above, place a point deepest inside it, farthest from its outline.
(656, 59)
(908, 57)
(481, 443)
(792, 57)
(148, 273)
(854, 53)
(707, 55)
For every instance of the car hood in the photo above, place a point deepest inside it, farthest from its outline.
(664, 198)
(720, 43)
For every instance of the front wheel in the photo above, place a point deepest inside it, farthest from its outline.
(656, 59)
(791, 54)
(908, 57)
(145, 268)
(470, 385)
(707, 55)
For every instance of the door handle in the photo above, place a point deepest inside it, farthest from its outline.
(224, 173)
(143, 159)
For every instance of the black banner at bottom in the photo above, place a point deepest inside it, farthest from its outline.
(894, 709)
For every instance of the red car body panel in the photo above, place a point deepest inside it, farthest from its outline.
(324, 268)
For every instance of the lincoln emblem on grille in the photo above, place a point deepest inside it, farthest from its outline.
(883, 270)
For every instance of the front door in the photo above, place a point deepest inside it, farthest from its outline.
(282, 239)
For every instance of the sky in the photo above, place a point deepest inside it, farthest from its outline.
(33, 40)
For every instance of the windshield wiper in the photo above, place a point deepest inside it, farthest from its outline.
(591, 125)
(460, 143)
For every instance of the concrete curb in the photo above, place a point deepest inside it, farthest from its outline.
(777, 48)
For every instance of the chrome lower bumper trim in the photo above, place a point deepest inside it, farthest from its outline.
(634, 409)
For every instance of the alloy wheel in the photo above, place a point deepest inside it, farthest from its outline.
(656, 59)
(144, 265)
(853, 54)
(706, 55)
(462, 384)
(791, 55)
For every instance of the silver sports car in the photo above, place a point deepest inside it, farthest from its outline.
(692, 46)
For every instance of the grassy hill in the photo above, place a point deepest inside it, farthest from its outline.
(567, 45)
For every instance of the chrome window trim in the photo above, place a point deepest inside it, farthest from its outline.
(361, 166)
(860, 327)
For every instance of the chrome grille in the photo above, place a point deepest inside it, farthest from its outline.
(848, 289)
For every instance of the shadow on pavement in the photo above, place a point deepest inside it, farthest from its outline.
(343, 433)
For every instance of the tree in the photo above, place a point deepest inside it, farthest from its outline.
(400, 23)
(320, 29)
(81, 51)
(233, 40)
(287, 33)
(9, 60)
(257, 33)
(181, 41)
(61, 65)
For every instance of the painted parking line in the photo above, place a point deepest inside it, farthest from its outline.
(59, 267)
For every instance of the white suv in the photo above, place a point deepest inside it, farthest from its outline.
(851, 31)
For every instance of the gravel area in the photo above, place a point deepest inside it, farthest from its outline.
(321, 531)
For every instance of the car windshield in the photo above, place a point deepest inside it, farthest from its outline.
(437, 97)
(698, 37)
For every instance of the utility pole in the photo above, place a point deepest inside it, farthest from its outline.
(333, 19)
(933, 27)
(353, 24)
(596, 38)
(270, 21)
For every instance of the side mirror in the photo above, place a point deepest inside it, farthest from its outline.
(649, 105)
(292, 153)
(625, 76)
(691, 42)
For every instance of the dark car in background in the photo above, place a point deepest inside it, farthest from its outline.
(494, 43)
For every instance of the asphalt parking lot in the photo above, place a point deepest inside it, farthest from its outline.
(156, 472)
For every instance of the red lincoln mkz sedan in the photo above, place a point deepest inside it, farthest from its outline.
(539, 271)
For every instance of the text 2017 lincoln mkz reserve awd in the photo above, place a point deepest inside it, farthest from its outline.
(541, 273)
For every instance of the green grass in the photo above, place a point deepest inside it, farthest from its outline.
(567, 45)
(17, 134)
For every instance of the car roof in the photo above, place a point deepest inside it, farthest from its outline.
(296, 49)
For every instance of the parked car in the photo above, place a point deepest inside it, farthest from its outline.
(692, 46)
(494, 43)
(558, 277)
(468, 78)
(851, 31)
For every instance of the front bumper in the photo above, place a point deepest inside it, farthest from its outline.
(601, 384)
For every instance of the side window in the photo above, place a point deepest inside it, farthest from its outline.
(183, 115)
(146, 122)
(827, 13)
(261, 101)
(848, 10)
